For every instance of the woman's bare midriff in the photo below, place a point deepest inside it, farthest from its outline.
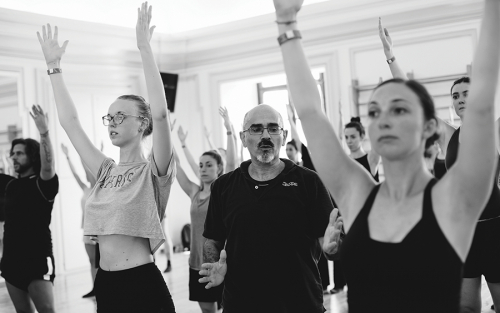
(120, 252)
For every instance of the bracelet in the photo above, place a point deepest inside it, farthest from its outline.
(288, 35)
(44, 134)
(391, 60)
(286, 22)
(54, 70)
(229, 133)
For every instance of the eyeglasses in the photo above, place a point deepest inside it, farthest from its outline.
(259, 130)
(117, 118)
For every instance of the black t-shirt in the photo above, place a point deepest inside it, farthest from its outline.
(28, 208)
(306, 158)
(4, 180)
(271, 234)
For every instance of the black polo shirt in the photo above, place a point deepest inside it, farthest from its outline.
(28, 208)
(271, 231)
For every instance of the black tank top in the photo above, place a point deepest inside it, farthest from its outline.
(492, 208)
(364, 161)
(422, 273)
(439, 168)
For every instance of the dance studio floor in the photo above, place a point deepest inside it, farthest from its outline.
(70, 288)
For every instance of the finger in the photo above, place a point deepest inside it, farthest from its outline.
(56, 33)
(49, 31)
(150, 13)
(333, 216)
(209, 285)
(44, 33)
(386, 32)
(151, 30)
(65, 44)
(330, 247)
(40, 40)
(223, 257)
(207, 266)
(32, 115)
(40, 109)
(203, 280)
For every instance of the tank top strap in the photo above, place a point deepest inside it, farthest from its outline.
(427, 210)
(365, 211)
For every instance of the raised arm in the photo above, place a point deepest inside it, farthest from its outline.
(194, 166)
(207, 135)
(232, 154)
(293, 126)
(340, 174)
(187, 185)
(66, 110)
(386, 39)
(472, 174)
(162, 143)
(47, 170)
(72, 168)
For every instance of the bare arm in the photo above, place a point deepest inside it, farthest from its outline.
(66, 110)
(162, 143)
(194, 166)
(231, 156)
(338, 172)
(386, 39)
(374, 161)
(470, 178)
(187, 185)
(211, 250)
(72, 168)
(295, 133)
(47, 170)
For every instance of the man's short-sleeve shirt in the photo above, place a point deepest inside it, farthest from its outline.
(28, 213)
(271, 231)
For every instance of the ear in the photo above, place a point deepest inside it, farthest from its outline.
(285, 134)
(430, 128)
(242, 137)
(145, 123)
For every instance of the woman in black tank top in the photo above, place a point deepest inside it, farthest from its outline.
(408, 255)
(354, 133)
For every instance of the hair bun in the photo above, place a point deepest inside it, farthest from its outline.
(356, 119)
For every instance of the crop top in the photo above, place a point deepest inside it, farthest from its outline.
(129, 199)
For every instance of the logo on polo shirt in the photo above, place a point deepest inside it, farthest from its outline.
(290, 184)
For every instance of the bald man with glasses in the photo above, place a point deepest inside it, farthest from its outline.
(265, 225)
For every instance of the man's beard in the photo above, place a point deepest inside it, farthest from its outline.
(21, 168)
(266, 157)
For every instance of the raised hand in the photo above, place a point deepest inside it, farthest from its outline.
(40, 118)
(331, 241)
(182, 135)
(207, 132)
(286, 10)
(50, 47)
(142, 29)
(214, 272)
(64, 150)
(385, 38)
(225, 115)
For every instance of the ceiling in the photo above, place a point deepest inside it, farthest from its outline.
(170, 16)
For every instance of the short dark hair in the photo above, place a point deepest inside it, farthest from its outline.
(463, 79)
(32, 150)
(356, 123)
(425, 100)
(293, 143)
(144, 110)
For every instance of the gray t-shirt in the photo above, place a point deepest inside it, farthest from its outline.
(129, 199)
(199, 208)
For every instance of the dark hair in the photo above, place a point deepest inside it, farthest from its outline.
(218, 158)
(293, 143)
(425, 100)
(32, 150)
(356, 123)
(464, 79)
(144, 110)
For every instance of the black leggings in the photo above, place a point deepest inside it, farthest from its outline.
(135, 290)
